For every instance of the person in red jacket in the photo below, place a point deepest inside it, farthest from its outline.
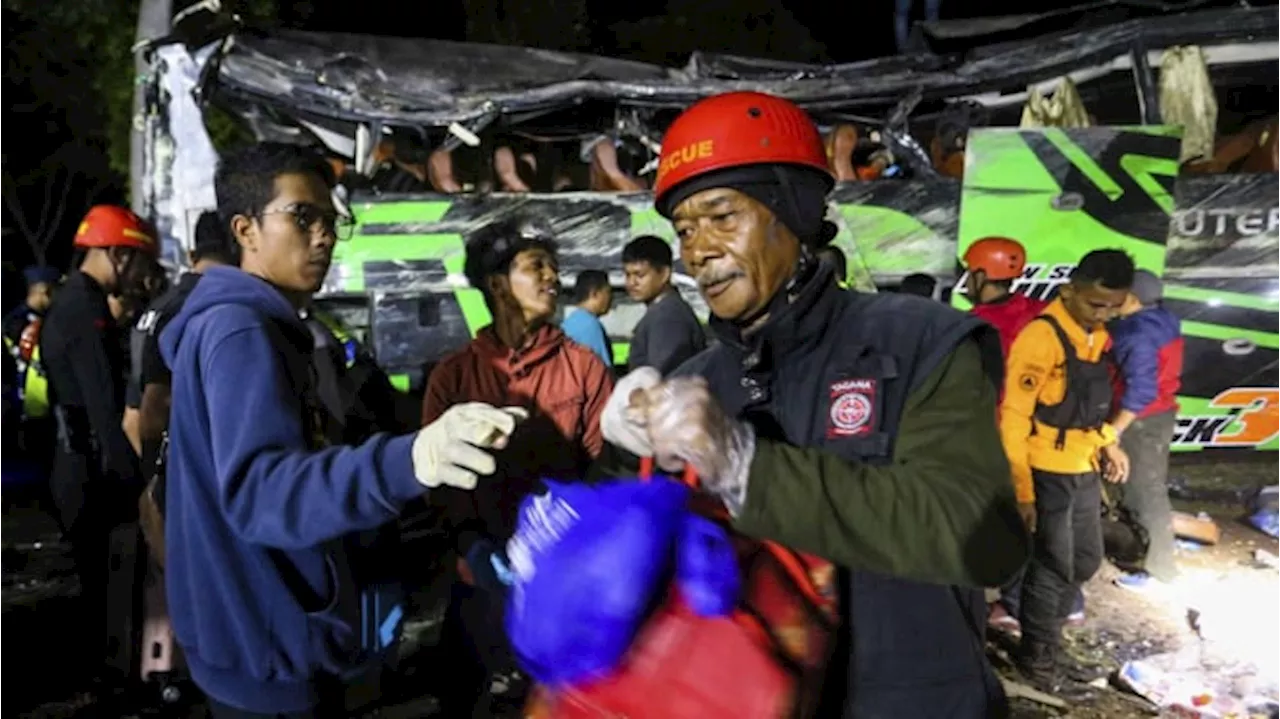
(529, 362)
(992, 264)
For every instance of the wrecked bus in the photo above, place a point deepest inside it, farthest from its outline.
(1156, 135)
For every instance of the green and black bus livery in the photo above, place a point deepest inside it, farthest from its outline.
(1212, 238)
(1060, 192)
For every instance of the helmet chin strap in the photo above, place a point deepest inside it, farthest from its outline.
(806, 264)
(121, 270)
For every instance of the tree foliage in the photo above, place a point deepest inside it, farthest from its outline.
(76, 60)
(59, 90)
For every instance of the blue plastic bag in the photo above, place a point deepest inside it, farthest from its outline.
(1266, 521)
(1263, 514)
(706, 567)
(587, 563)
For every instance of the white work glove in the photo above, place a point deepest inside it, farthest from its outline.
(686, 425)
(454, 449)
(620, 424)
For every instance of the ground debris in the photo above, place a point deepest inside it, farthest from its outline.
(1017, 690)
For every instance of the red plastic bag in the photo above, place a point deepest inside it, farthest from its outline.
(767, 660)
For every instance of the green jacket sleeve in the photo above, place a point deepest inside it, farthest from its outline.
(942, 511)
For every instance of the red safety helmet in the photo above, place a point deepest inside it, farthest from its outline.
(107, 226)
(999, 257)
(733, 130)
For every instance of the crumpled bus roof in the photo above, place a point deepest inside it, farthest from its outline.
(421, 82)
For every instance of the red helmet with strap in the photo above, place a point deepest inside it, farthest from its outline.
(106, 226)
(1000, 258)
(737, 129)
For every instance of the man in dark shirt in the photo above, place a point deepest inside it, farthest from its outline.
(147, 396)
(95, 478)
(669, 333)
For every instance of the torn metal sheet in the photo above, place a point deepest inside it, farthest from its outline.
(180, 159)
(902, 227)
(434, 82)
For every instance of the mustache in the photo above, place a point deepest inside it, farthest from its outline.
(711, 278)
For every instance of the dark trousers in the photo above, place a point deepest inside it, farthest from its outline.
(902, 18)
(332, 709)
(1146, 494)
(1011, 595)
(474, 638)
(104, 546)
(222, 711)
(334, 701)
(1067, 551)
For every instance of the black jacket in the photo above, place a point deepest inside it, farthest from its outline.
(83, 356)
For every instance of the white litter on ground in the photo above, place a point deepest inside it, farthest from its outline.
(1229, 665)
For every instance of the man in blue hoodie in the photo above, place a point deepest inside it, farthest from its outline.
(270, 601)
(1147, 348)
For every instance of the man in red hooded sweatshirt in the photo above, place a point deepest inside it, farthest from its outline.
(992, 265)
(524, 357)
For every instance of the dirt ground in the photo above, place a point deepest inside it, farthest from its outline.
(1238, 599)
(1239, 603)
(1121, 625)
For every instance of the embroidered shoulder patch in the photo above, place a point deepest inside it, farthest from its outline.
(852, 412)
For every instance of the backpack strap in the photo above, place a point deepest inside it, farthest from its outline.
(1071, 359)
(1068, 348)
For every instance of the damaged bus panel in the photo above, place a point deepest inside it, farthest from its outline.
(1075, 140)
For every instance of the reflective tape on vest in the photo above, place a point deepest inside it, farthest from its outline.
(33, 386)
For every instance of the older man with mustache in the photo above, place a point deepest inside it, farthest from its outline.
(857, 427)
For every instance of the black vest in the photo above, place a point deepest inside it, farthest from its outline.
(1086, 401)
(833, 369)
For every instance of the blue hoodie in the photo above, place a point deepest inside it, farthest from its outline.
(1147, 349)
(258, 514)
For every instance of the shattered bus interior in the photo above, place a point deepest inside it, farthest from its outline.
(1156, 134)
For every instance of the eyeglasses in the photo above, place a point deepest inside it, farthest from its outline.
(307, 218)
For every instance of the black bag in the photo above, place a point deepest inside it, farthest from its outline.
(1124, 540)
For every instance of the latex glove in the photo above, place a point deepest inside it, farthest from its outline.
(687, 425)
(620, 423)
(454, 449)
